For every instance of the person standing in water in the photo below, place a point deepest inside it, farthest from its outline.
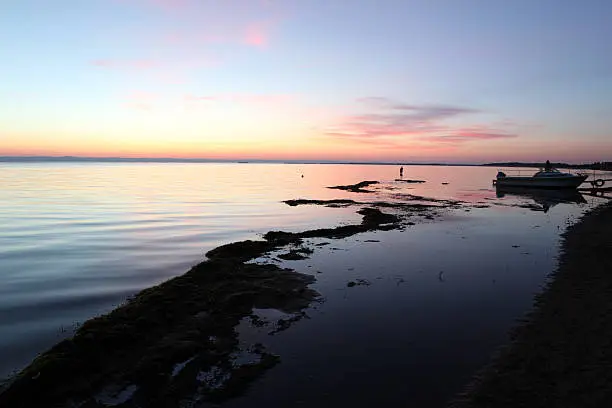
(402, 171)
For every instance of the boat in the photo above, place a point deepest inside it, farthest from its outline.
(545, 178)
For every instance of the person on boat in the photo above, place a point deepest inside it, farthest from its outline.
(547, 166)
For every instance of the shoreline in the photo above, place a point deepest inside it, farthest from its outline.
(560, 354)
(605, 166)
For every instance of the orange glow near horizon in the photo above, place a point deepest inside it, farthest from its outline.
(260, 126)
(304, 147)
(274, 128)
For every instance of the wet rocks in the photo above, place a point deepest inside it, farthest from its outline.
(141, 342)
(358, 282)
(356, 188)
(374, 217)
(410, 181)
(296, 254)
(328, 203)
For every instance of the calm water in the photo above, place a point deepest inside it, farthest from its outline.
(77, 239)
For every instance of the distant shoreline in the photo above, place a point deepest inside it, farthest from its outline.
(79, 159)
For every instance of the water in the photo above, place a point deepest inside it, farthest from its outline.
(77, 239)
(441, 298)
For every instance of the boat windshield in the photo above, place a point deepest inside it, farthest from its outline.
(549, 173)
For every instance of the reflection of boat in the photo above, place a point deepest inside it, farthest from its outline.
(545, 198)
(548, 178)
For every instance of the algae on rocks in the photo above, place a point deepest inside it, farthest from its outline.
(176, 341)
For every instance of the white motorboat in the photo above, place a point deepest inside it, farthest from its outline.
(545, 178)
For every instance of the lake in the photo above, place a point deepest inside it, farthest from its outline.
(77, 239)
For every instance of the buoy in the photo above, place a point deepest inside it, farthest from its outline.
(598, 183)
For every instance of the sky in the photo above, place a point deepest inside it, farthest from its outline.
(452, 81)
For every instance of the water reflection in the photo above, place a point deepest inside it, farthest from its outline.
(544, 199)
(78, 239)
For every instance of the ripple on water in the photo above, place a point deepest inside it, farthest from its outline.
(78, 239)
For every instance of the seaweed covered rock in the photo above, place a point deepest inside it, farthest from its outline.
(189, 320)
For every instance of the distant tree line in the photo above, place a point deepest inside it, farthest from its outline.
(592, 166)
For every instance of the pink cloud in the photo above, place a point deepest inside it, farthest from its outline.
(253, 34)
(377, 130)
(383, 125)
(417, 111)
(468, 136)
(257, 34)
(404, 123)
(219, 24)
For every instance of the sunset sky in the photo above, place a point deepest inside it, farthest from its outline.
(348, 80)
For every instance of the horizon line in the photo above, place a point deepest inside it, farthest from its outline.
(68, 158)
(211, 160)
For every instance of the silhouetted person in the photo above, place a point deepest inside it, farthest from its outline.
(547, 166)
(401, 171)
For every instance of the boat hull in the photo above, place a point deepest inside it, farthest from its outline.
(566, 182)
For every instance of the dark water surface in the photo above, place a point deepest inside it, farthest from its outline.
(440, 300)
(77, 239)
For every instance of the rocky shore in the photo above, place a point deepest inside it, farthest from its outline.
(176, 344)
(561, 353)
